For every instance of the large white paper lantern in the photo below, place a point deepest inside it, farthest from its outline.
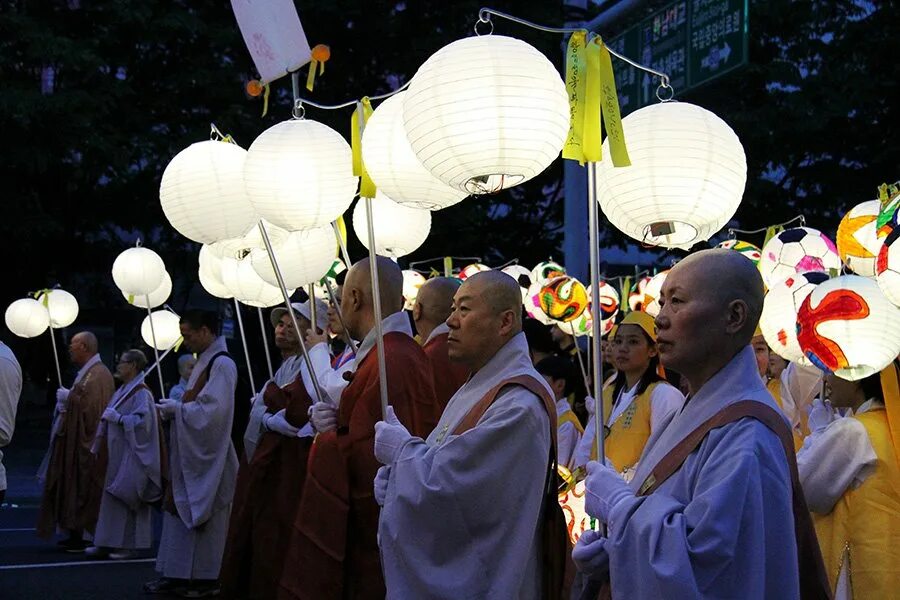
(779, 316)
(486, 113)
(157, 297)
(27, 318)
(202, 192)
(887, 267)
(299, 175)
(857, 238)
(399, 230)
(243, 282)
(394, 167)
(303, 257)
(210, 273)
(652, 293)
(166, 328)
(241, 246)
(848, 327)
(686, 178)
(797, 250)
(412, 281)
(138, 271)
(62, 306)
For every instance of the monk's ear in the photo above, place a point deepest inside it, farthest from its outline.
(507, 322)
(417, 311)
(737, 316)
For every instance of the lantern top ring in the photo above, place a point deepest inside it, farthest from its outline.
(299, 112)
(481, 20)
(661, 91)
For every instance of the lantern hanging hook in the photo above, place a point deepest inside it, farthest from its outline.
(137, 244)
(665, 92)
(484, 17)
(298, 112)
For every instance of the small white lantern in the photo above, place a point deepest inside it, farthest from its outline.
(166, 327)
(393, 165)
(887, 267)
(27, 318)
(299, 175)
(202, 192)
(210, 273)
(62, 306)
(157, 297)
(247, 286)
(857, 238)
(412, 281)
(303, 257)
(797, 250)
(686, 178)
(399, 230)
(138, 271)
(486, 113)
(652, 292)
(779, 316)
(846, 326)
(546, 270)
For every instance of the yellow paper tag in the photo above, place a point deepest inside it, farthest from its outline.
(612, 118)
(592, 147)
(311, 77)
(366, 185)
(576, 79)
(266, 91)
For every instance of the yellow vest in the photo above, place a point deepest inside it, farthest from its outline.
(866, 522)
(799, 431)
(626, 438)
(569, 417)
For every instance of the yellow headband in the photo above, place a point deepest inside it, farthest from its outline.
(642, 320)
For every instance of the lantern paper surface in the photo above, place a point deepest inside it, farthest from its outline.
(241, 246)
(797, 250)
(210, 273)
(779, 315)
(609, 308)
(470, 270)
(138, 271)
(299, 175)
(393, 165)
(202, 192)
(165, 326)
(27, 318)
(545, 271)
(686, 178)
(304, 257)
(158, 296)
(887, 268)
(746, 248)
(521, 275)
(486, 113)
(412, 281)
(563, 299)
(247, 286)
(857, 238)
(577, 519)
(532, 304)
(652, 292)
(399, 230)
(847, 326)
(636, 298)
(62, 306)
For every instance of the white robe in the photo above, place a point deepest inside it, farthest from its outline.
(567, 437)
(461, 515)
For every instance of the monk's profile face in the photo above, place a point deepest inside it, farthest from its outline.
(196, 340)
(477, 328)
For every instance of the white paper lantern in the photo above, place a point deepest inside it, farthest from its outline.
(521, 275)
(210, 273)
(399, 230)
(846, 326)
(887, 267)
(202, 192)
(241, 246)
(158, 296)
(609, 308)
(247, 286)
(652, 293)
(303, 257)
(545, 271)
(138, 271)
(166, 328)
(797, 250)
(299, 175)
(779, 316)
(857, 238)
(637, 295)
(686, 178)
(27, 318)
(470, 270)
(62, 306)
(412, 281)
(486, 113)
(394, 167)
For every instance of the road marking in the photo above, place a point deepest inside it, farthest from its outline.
(81, 563)
(11, 530)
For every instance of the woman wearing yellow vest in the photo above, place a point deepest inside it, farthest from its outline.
(638, 401)
(561, 377)
(850, 471)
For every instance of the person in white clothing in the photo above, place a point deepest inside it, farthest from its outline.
(560, 375)
(186, 364)
(10, 390)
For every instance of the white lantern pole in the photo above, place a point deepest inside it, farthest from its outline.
(262, 329)
(376, 301)
(340, 314)
(342, 243)
(237, 310)
(162, 386)
(578, 354)
(596, 326)
(55, 356)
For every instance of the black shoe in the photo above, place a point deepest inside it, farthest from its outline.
(75, 546)
(206, 589)
(163, 585)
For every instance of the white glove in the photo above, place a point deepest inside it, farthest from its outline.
(590, 555)
(381, 482)
(279, 424)
(166, 408)
(820, 415)
(111, 415)
(604, 489)
(323, 416)
(390, 437)
(589, 404)
(62, 399)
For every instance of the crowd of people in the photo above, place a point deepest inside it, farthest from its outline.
(724, 472)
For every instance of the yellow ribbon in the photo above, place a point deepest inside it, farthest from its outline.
(266, 90)
(366, 185)
(342, 231)
(178, 343)
(612, 118)
(576, 79)
(448, 266)
(772, 232)
(311, 76)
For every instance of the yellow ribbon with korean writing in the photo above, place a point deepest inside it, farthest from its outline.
(601, 90)
(364, 111)
(576, 80)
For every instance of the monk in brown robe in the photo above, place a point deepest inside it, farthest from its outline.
(434, 303)
(334, 551)
(73, 485)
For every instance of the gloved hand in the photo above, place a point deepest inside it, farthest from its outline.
(110, 415)
(62, 399)
(279, 424)
(166, 408)
(590, 556)
(820, 415)
(590, 405)
(313, 338)
(323, 416)
(390, 436)
(604, 489)
(381, 482)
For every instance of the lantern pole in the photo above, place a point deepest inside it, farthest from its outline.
(262, 329)
(237, 310)
(162, 386)
(290, 309)
(376, 301)
(342, 243)
(340, 315)
(596, 355)
(55, 356)
(580, 359)
(313, 321)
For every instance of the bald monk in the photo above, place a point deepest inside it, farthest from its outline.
(714, 509)
(75, 478)
(462, 509)
(433, 305)
(334, 552)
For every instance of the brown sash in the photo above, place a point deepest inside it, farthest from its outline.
(554, 534)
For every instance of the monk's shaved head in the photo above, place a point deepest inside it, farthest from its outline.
(499, 290)
(436, 298)
(82, 347)
(357, 300)
(88, 339)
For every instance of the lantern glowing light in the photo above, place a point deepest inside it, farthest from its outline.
(797, 250)
(399, 229)
(652, 293)
(157, 297)
(62, 306)
(303, 257)
(779, 315)
(546, 270)
(857, 238)
(887, 267)
(563, 299)
(243, 282)
(27, 318)
(210, 273)
(138, 271)
(412, 281)
(165, 328)
(609, 308)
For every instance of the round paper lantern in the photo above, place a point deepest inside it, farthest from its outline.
(158, 296)
(27, 318)
(652, 292)
(746, 248)
(609, 308)
(532, 303)
(62, 306)
(299, 175)
(857, 238)
(241, 246)
(303, 257)
(519, 273)
(846, 326)
(202, 192)
(887, 267)
(247, 286)
(563, 299)
(636, 297)
(486, 113)
(572, 503)
(165, 327)
(399, 230)
(891, 224)
(138, 271)
(393, 166)
(210, 273)
(470, 270)
(547, 270)
(686, 178)
(412, 281)
(797, 250)
(779, 316)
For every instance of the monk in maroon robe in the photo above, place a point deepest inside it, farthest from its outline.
(433, 305)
